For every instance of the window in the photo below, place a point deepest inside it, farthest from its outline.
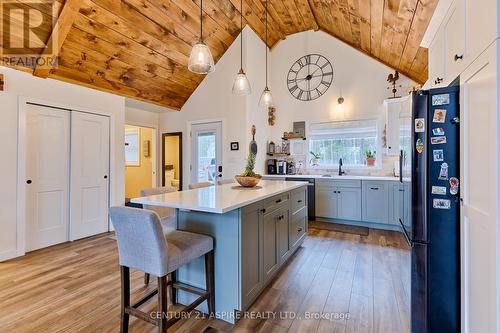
(132, 147)
(348, 140)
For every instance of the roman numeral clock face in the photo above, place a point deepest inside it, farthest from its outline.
(310, 77)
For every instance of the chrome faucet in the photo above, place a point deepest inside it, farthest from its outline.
(340, 167)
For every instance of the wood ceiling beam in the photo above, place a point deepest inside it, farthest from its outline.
(59, 33)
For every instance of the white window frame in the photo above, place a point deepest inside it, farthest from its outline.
(378, 164)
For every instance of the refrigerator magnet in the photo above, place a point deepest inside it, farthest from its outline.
(443, 99)
(439, 116)
(441, 203)
(439, 190)
(454, 185)
(437, 140)
(419, 125)
(419, 146)
(438, 155)
(438, 131)
(443, 172)
(455, 120)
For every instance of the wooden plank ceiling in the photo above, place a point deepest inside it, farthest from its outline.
(140, 48)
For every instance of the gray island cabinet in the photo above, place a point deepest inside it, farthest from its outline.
(255, 231)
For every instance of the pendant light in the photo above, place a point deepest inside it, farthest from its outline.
(200, 59)
(241, 85)
(266, 99)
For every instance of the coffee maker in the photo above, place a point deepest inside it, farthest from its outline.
(272, 168)
(282, 167)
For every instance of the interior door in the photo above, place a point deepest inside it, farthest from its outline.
(89, 174)
(47, 174)
(206, 152)
(479, 193)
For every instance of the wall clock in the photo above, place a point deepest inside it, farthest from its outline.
(310, 77)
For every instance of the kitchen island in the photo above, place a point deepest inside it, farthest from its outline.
(255, 231)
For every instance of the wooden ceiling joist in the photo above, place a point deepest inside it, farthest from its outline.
(61, 29)
(140, 48)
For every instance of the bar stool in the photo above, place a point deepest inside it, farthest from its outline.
(167, 215)
(142, 245)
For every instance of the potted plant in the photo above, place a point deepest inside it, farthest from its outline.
(370, 157)
(315, 158)
(249, 178)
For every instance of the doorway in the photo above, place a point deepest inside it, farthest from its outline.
(140, 160)
(171, 161)
(206, 152)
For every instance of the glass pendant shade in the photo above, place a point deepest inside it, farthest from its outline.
(200, 59)
(241, 85)
(266, 99)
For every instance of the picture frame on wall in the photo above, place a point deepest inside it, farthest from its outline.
(132, 151)
(235, 146)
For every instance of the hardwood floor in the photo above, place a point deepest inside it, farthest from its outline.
(337, 282)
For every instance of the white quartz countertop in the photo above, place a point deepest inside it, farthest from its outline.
(219, 199)
(335, 177)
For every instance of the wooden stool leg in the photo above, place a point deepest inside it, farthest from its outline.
(210, 282)
(173, 278)
(162, 304)
(146, 278)
(125, 303)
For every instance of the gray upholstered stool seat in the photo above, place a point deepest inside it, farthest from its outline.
(185, 246)
(143, 244)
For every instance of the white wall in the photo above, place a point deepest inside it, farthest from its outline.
(361, 78)
(58, 93)
(213, 100)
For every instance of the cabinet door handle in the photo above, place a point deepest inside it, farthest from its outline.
(278, 201)
(459, 57)
(299, 201)
(263, 210)
(299, 230)
(29, 181)
(374, 188)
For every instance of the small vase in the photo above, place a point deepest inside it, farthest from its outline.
(370, 161)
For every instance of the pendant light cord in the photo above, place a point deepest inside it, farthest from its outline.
(241, 35)
(201, 21)
(266, 43)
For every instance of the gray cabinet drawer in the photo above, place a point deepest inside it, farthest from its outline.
(276, 202)
(298, 199)
(330, 183)
(298, 226)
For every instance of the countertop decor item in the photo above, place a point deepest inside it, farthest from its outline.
(370, 157)
(249, 178)
(315, 158)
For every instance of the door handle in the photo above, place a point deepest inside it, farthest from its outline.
(28, 181)
(105, 176)
(374, 188)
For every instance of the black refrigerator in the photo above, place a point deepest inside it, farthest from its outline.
(432, 224)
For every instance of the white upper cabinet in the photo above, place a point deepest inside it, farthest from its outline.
(467, 29)
(398, 110)
(481, 26)
(454, 40)
(437, 68)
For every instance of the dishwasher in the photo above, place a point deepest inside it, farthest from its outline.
(311, 201)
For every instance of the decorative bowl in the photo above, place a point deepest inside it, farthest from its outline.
(247, 181)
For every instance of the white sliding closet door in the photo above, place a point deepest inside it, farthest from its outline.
(47, 176)
(89, 174)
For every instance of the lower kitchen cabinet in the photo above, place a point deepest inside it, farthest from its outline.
(270, 242)
(326, 199)
(349, 203)
(375, 202)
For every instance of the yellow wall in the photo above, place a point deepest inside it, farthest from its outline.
(172, 153)
(140, 177)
